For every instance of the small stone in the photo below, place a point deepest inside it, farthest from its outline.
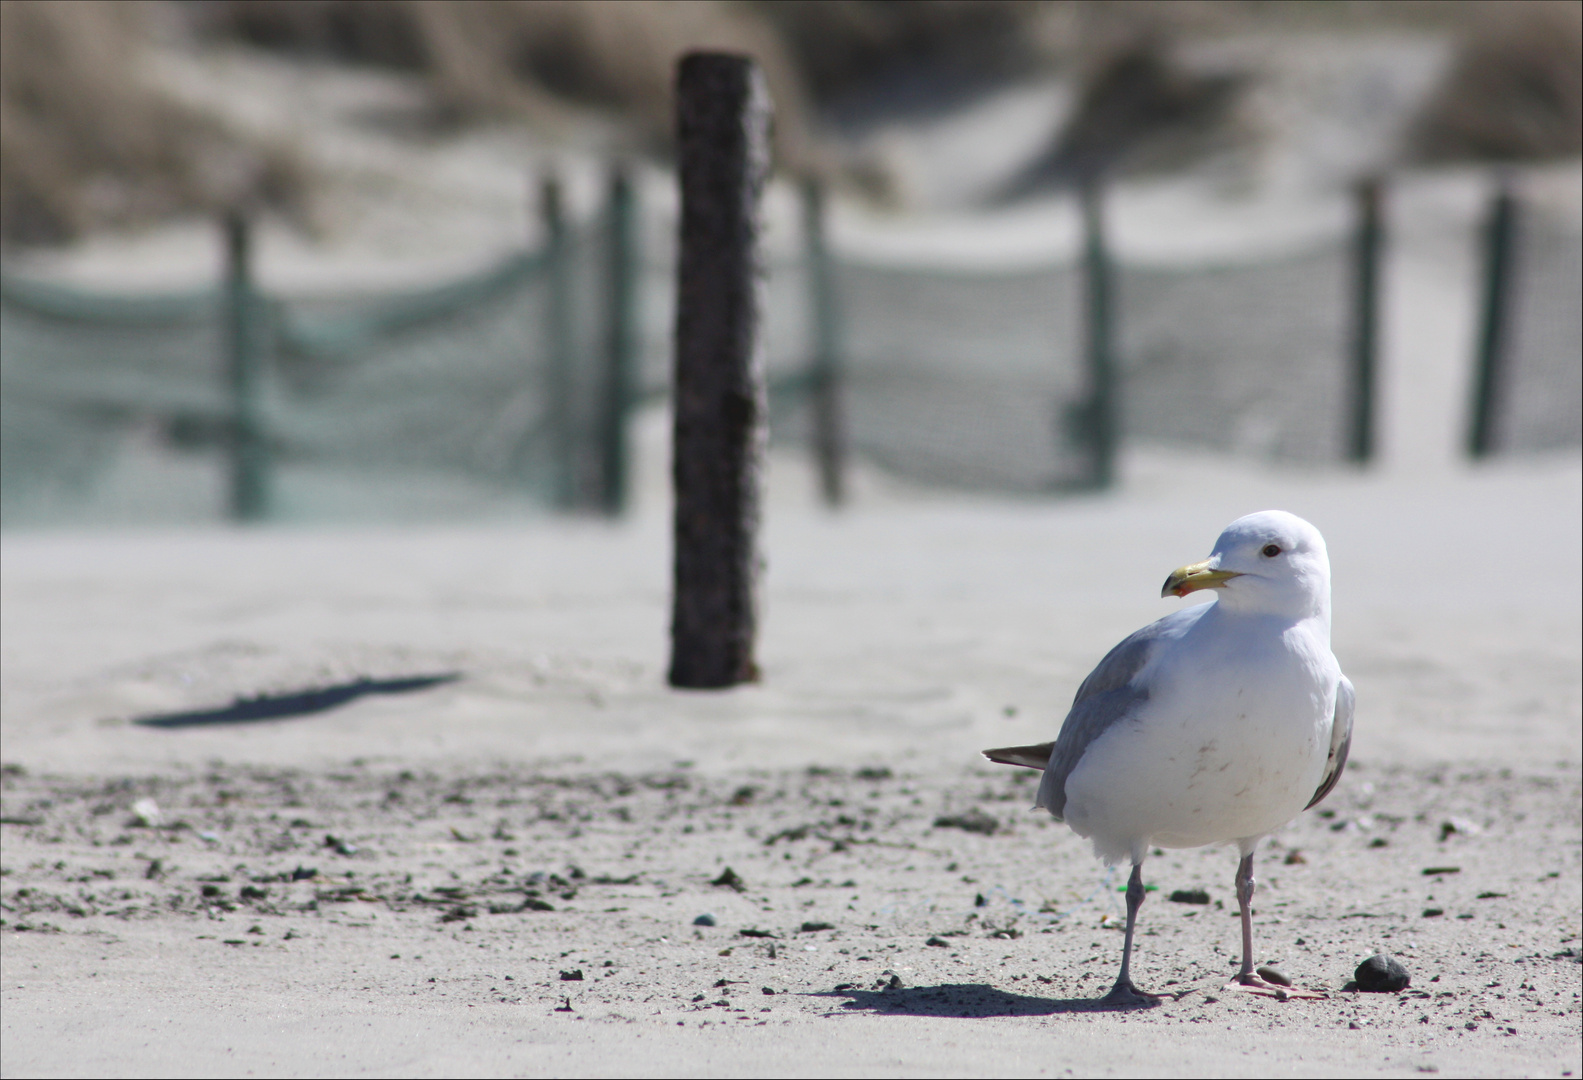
(766, 991)
(575, 975)
(730, 879)
(1434, 912)
(1458, 826)
(1382, 974)
(1189, 896)
(1273, 975)
(974, 820)
(1294, 858)
(145, 814)
(811, 927)
(938, 942)
(705, 919)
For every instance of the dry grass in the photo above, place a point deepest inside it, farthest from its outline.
(1515, 91)
(545, 61)
(85, 142)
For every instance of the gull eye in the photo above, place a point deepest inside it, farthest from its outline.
(1271, 550)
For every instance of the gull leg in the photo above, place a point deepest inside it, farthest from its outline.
(1245, 887)
(1124, 993)
(1247, 978)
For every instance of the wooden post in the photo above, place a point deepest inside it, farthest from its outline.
(722, 120)
(1490, 377)
(622, 293)
(829, 441)
(244, 323)
(1101, 411)
(558, 332)
(1365, 321)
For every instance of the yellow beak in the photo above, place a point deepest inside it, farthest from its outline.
(1200, 575)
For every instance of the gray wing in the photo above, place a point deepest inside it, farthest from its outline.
(1340, 740)
(1106, 698)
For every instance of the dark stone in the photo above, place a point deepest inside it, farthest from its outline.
(575, 975)
(1273, 975)
(754, 932)
(705, 919)
(1382, 974)
(938, 942)
(730, 879)
(1189, 896)
(811, 927)
(975, 820)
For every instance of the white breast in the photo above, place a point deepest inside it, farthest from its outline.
(1230, 744)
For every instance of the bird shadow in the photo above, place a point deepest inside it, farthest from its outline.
(295, 703)
(967, 1000)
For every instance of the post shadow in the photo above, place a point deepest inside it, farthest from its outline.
(294, 703)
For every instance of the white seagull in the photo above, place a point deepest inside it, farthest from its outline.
(1218, 723)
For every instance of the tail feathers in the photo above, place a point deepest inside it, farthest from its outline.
(1029, 757)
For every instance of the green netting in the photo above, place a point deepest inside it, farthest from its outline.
(391, 405)
(964, 379)
(1544, 386)
(445, 381)
(487, 394)
(83, 376)
(1247, 357)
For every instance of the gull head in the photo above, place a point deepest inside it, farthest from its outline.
(1269, 563)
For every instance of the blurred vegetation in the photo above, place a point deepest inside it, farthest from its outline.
(1515, 91)
(86, 141)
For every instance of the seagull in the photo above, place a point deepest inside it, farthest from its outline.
(1219, 723)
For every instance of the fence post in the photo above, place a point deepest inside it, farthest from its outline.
(722, 122)
(558, 329)
(829, 438)
(1102, 406)
(1365, 320)
(1494, 332)
(244, 327)
(622, 294)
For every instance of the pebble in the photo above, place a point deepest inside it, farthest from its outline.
(1382, 974)
(1273, 975)
(1189, 896)
(705, 919)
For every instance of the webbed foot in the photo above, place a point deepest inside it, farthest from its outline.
(1126, 996)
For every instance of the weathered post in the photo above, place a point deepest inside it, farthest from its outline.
(722, 121)
(829, 440)
(558, 344)
(1489, 386)
(1365, 321)
(245, 329)
(621, 360)
(1101, 410)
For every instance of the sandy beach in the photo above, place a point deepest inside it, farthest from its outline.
(504, 874)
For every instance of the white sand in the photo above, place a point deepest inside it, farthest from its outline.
(895, 634)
